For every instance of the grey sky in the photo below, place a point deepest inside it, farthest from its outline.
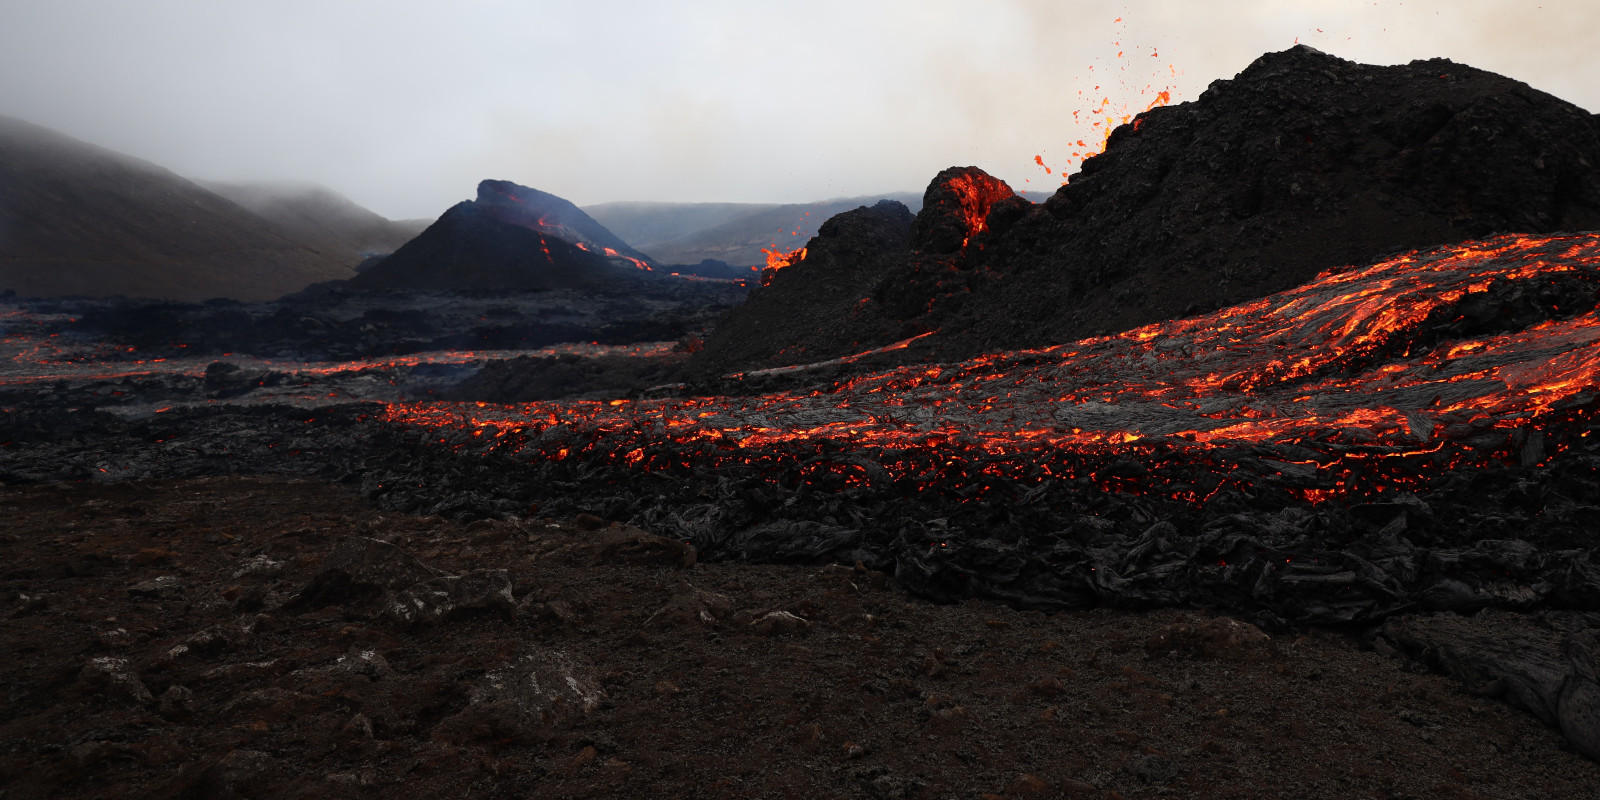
(404, 105)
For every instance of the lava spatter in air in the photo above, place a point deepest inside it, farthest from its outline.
(1105, 115)
(1362, 381)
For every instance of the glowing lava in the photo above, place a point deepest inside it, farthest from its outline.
(977, 195)
(779, 259)
(630, 259)
(1337, 375)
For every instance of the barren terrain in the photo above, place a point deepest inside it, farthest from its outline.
(200, 639)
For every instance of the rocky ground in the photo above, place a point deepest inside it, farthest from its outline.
(333, 323)
(269, 637)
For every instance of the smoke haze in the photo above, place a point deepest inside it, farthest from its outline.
(403, 106)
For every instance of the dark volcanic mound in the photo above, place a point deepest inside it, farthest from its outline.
(1302, 163)
(511, 237)
(552, 216)
(76, 219)
(814, 305)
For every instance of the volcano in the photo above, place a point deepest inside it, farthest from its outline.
(1301, 163)
(1197, 376)
(510, 238)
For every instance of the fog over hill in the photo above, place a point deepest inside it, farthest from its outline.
(320, 217)
(77, 219)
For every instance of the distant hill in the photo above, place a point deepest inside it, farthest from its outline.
(321, 218)
(735, 233)
(76, 219)
(510, 237)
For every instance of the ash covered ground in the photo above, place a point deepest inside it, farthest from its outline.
(1391, 462)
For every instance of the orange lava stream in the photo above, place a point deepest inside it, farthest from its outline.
(1312, 367)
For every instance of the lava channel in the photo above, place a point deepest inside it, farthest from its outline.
(1364, 380)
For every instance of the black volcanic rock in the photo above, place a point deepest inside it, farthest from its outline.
(961, 204)
(512, 238)
(956, 206)
(76, 219)
(811, 311)
(1303, 162)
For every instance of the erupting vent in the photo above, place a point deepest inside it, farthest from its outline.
(1362, 381)
(778, 259)
(977, 196)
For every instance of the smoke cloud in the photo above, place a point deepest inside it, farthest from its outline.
(404, 105)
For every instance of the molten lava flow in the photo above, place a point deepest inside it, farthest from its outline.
(1346, 385)
(630, 259)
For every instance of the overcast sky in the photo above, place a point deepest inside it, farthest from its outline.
(405, 105)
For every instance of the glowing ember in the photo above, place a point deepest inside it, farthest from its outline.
(1338, 371)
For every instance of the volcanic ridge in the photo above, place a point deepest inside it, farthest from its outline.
(1303, 162)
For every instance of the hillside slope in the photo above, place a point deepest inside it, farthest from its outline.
(321, 218)
(76, 219)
